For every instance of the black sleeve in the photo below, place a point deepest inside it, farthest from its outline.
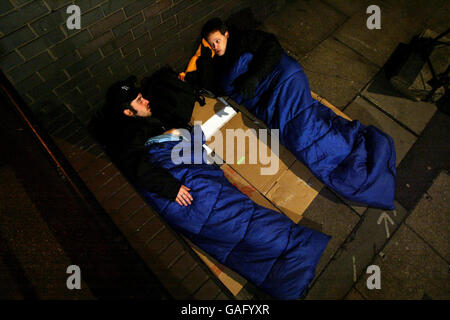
(266, 51)
(134, 163)
(204, 76)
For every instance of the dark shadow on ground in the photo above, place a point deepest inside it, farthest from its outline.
(425, 160)
(110, 268)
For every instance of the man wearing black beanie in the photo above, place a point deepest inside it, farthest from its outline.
(124, 126)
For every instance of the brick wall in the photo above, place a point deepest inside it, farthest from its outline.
(63, 75)
(58, 70)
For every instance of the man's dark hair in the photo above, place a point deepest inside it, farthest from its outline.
(212, 25)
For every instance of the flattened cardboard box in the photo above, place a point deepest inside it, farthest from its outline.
(244, 156)
(239, 173)
(294, 191)
(251, 172)
(306, 191)
(290, 190)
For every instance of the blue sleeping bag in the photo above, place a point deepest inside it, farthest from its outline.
(356, 161)
(262, 245)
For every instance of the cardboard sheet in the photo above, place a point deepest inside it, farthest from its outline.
(289, 190)
(245, 157)
(294, 191)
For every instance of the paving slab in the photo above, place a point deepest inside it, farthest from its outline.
(410, 270)
(413, 14)
(413, 114)
(430, 218)
(33, 252)
(348, 8)
(10, 290)
(367, 114)
(428, 157)
(336, 72)
(354, 295)
(336, 220)
(359, 208)
(374, 229)
(301, 25)
(400, 20)
(438, 21)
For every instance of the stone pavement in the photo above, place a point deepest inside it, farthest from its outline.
(344, 62)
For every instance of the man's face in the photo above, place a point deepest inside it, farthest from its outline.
(141, 106)
(218, 42)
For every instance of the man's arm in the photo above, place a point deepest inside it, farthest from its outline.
(203, 76)
(144, 174)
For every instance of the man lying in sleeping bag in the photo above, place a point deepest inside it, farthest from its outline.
(264, 46)
(356, 161)
(123, 127)
(262, 245)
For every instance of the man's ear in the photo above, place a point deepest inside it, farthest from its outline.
(128, 113)
(227, 34)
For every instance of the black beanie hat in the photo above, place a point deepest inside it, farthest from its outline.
(120, 95)
(126, 91)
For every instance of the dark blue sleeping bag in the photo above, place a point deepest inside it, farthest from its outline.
(262, 245)
(356, 161)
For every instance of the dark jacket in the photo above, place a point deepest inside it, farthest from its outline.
(123, 139)
(172, 100)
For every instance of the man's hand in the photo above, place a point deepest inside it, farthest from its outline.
(184, 198)
(246, 85)
(173, 131)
